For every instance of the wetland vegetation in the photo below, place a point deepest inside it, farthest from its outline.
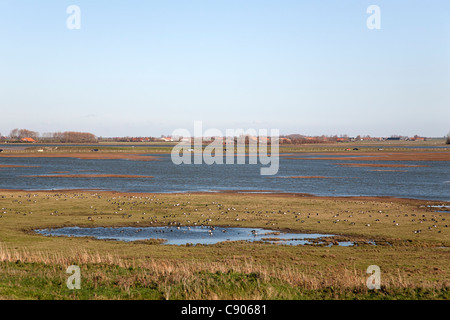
(414, 264)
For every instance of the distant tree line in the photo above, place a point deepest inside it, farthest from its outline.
(300, 139)
(73, 137)
(17, 135)
(128, 139)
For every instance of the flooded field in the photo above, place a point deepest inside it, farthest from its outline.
(188, 235)
(305, 173)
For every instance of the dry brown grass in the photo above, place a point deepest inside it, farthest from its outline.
(81, 155)
(169, 273)
(58, 258)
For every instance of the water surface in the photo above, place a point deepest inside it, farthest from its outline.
(187, 235)
(430, 182)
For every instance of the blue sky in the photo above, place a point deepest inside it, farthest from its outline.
(142, 68)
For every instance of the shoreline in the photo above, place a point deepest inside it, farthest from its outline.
(85, 155)
(374, 156)
(254, 193)
(359, 155)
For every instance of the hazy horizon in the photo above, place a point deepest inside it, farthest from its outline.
(46, 135)
(147, 68)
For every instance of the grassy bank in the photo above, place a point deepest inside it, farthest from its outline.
(414, 265)
(166, 148)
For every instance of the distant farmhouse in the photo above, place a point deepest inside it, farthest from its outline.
(29, 140)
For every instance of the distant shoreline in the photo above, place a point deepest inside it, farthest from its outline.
(243, 193)
(143, 155)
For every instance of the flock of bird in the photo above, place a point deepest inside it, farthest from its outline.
(127, 206)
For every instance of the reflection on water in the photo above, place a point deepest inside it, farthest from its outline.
(188, 235)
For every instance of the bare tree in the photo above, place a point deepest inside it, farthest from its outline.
(14, 134)
(74, 137)
(18, 134)
(24, 133)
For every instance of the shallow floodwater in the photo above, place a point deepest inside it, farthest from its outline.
(326, 177)
(187, 235)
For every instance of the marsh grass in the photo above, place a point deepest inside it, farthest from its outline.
(106, 276)
(414, 266)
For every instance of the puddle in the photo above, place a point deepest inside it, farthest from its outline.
(443, 208)
(189, 235)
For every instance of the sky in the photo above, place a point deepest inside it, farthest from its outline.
(146, 68)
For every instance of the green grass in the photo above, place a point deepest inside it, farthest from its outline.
(40, 281)
(414, 265)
